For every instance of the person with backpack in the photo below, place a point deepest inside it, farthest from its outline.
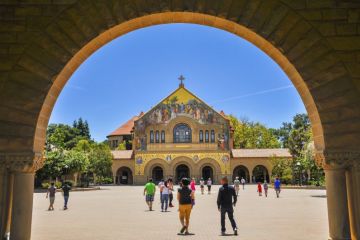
(225, 204)
(185, 197)
(51, 194)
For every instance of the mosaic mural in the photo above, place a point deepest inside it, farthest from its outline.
(180, 103)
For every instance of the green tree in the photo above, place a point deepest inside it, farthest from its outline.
(252, 134)
(100, 159)
(83, 128)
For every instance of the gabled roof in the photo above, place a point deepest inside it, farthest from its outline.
(183, 95)
(125, 129)
(257, 153)
(122, 154)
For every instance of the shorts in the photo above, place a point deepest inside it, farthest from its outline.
(201, 186)
(52, 200)
(149, 197)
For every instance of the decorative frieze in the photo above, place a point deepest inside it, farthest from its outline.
(336, 159)
(21, 161)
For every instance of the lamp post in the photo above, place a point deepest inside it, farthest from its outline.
(298, 164)
(66, 171)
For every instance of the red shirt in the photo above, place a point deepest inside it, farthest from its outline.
(259, 188)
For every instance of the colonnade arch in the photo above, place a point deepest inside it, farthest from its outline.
(242, 171)
(124, 175)
(321, 63)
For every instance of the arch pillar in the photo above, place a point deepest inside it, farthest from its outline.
(353, 194)
(336, 191)
(18, 185)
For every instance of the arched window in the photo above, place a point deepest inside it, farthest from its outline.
(182, 133)
(151, 136)
(201, 136)
(207, 136)
(212, 136)
(157, 137)
(162, 136)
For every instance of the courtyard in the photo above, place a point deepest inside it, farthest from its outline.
(119, 212)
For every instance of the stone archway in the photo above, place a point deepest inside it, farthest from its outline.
(124, 176)
(182, 171)
(260, 174)
(303, 37)
(157, 174)
(207, 172)
(242, 172)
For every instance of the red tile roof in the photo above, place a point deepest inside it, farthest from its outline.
(126, 128)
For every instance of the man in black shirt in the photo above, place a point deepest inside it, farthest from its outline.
(66, 189)
(225, 204)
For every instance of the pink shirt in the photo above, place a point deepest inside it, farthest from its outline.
(192, 185)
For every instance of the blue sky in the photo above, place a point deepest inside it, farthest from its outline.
(133, 72)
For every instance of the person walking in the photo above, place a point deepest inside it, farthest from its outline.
(225, 204)
(66, 189)
(160, 184)
(149, 192)
(51, 194)
(202, 185)
(277, 186)
(185, 197)
(193, 185)
(259, 189)
(266, 187)
(209, 183)
(171, 189)
(243, 183)
(164, 197)
(237, 185)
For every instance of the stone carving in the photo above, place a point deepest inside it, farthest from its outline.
(22, 161)
(333, 159)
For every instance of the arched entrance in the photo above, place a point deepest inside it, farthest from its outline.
(321, 66)
(260, 174)
(182, 171)
(157, 174)
(207, 172)
(124, 176)
(241, 172)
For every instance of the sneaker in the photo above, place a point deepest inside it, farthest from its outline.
(183, 229)
(235, 232)
(223, 234)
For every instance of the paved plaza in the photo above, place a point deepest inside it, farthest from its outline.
(119, 212)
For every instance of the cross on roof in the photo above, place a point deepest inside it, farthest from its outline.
(181, 78)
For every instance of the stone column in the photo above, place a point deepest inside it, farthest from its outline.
(337, 204)
(335, 165)
(5, 200)
(22, 167)
(22, 205)
(353, 194)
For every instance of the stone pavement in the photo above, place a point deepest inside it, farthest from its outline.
(119, 212)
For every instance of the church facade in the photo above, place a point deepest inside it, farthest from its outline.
(184, 137)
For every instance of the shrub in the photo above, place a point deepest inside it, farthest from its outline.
(45, 185)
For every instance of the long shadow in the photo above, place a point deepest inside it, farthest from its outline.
(318, 196)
